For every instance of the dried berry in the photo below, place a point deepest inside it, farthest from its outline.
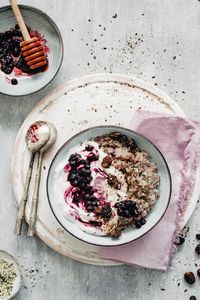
(189, 277)
(197, 249)
(198, 236)
(113, 182)
(193, 298)
(95, 223)
(198, 272)
(180, 240)
(105, 212)
(106, 162)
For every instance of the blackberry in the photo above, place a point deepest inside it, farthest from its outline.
(193, 298)
(189, 277)
(126, 209)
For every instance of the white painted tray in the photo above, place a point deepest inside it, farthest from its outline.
(76, 105)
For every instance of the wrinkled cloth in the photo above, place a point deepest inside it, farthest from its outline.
(179, 141)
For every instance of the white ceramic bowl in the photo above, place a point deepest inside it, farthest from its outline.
(18, 280)
(130, 233)
(42, 23)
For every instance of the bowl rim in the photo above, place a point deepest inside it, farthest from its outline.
(50, 20)
(114, 127)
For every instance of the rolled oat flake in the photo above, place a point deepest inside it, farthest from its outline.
(7, 277)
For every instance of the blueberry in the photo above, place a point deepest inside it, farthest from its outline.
(87, 196)
(81, 184)
(16, 33)
(17, 26)
(90, 208)
(88, 189)
(8, 35)
(74, 182)
(14, 81)
(71, 176)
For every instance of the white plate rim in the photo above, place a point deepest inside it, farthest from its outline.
(73, 84)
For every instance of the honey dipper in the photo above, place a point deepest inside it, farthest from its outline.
(31, 48)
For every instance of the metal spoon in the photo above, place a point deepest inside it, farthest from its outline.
(34, 204)
(37, 136)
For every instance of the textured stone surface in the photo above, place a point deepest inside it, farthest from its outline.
(155, 40)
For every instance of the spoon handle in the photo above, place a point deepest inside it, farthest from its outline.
(20, 19)
(34, 204)
(21, 211)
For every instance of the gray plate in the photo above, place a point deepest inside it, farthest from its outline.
(130, 234)
(42, 23)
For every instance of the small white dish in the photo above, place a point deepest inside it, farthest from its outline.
(42, 23)
(130, 233)
(18, 280)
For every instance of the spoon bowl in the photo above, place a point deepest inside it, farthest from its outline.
(37, 137)
(34, 204)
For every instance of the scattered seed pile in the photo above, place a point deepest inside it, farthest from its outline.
(7, 277)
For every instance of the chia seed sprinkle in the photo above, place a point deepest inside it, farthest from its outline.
(7, 277)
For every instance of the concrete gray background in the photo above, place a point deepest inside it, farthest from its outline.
(155, 40)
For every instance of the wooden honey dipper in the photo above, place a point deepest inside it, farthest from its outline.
(31, 48)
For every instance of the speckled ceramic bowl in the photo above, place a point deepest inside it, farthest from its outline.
(42, 23)
(130, 233)
(18, 280)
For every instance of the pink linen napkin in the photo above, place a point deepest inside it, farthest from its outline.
(179, 141)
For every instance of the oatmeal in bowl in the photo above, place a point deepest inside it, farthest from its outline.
(105, 184)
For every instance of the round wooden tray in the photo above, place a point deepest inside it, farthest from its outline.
(76, 105)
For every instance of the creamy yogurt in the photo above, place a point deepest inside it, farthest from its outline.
(76, 212)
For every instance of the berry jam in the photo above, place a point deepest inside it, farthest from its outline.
(10, 53)
(80, 177)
